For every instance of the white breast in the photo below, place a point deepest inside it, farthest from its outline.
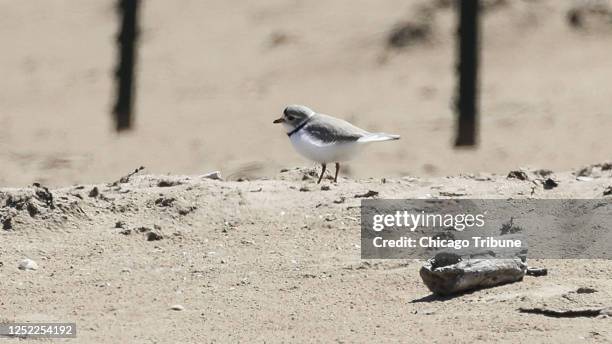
(323, 152)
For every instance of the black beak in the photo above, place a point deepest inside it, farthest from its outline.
(279, 120)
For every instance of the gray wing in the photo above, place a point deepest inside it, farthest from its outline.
(328, 129)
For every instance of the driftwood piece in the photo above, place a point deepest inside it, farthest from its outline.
(449, 273)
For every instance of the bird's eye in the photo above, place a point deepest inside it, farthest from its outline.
(291, 118)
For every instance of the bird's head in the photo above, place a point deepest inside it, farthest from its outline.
(294, 115)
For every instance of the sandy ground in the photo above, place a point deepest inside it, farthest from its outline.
(262, 261)
(213, 74)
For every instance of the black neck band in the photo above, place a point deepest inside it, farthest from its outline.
(299, 127)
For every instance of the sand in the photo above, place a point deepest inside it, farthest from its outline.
(173, 256)
(212, 76)
(261, 260)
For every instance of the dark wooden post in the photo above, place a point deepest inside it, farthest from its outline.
(124, 104)
(467, 97)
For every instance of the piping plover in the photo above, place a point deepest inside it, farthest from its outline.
(325, 139)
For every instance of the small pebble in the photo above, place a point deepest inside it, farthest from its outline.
(28, 264)
(153, 236)
(370, 193)
(550, 183)
(94, 192)
(215, 175)
(177, 308)
(585, 290)
(537, 272)
(520, 175)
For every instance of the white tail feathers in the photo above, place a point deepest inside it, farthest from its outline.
(376, 137)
